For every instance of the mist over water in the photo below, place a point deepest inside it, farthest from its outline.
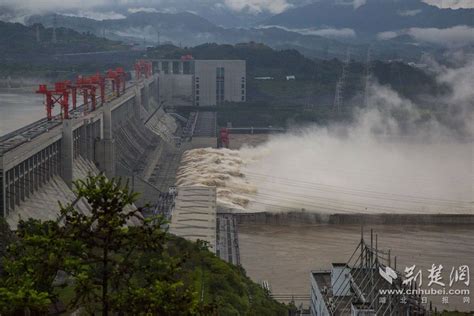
(393, 158)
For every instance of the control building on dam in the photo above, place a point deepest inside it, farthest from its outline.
(124, 137)
(192, 82)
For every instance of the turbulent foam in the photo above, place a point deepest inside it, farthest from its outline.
(220, 168)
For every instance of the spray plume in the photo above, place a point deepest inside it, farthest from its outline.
(393, 158)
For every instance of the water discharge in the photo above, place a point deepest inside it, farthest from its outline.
(393, 157)
(336, 175)
(221, 168)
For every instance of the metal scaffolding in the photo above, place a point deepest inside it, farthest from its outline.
(369, 269)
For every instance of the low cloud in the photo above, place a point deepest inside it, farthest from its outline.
(46, 6)
(99, 16)
(456, 36)
(451, 37)
(142, 9)
(327, 32)
(342, 33)
(451, 4)
(258, 6)
(387, 35)
(409, 12)
(358, 3)
(355, 3)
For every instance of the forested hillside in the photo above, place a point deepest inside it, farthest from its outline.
(321, 75)
(19, 40)
(310, 97)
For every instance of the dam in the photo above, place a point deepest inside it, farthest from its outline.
(131, 136)
(124, 137)
(276, 237)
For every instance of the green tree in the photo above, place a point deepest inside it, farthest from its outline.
(30, 267)
(6, 237)
(117, 260)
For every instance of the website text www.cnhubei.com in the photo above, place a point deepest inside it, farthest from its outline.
(429, 291)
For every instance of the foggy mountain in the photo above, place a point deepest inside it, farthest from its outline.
(372, 17)
(183, 21)
(326, 28)
(188, 29)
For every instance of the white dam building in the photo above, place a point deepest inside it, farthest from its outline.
(190, 82)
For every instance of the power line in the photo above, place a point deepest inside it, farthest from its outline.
(341, 83)
(368, 74)
(352, 191)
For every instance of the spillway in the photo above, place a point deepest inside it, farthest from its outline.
(278, 177)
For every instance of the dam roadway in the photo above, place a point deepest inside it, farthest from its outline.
(124, 137)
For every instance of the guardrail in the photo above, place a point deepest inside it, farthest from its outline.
(256, 130)
(26, 133)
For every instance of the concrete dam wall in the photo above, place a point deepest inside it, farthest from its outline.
(308, 218)
(124, 137)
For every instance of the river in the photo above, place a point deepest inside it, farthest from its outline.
(19, 108)
(285, 255)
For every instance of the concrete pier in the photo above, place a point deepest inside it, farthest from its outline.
(309, 218)
(67, 152)
(106, 146)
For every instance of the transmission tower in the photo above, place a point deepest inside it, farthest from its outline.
(158, 42)
(55, 23)
(340, 85)
(368, 75)
(326, 52)
(38, 38)
(395, 73)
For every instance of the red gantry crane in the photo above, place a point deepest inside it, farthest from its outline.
(224, 136)
(187, 57)
(143, 68)
(59, 95)
(117, 78)
(87, 89)
(87, 86)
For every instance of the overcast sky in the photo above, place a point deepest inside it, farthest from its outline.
(252, 6)
(248, 6)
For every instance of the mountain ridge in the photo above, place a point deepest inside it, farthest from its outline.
(384, 16)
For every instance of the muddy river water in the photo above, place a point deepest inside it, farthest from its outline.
(19, 108)
(285, 255)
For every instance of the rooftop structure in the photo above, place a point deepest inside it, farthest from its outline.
(354, 288)
(191, 82)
